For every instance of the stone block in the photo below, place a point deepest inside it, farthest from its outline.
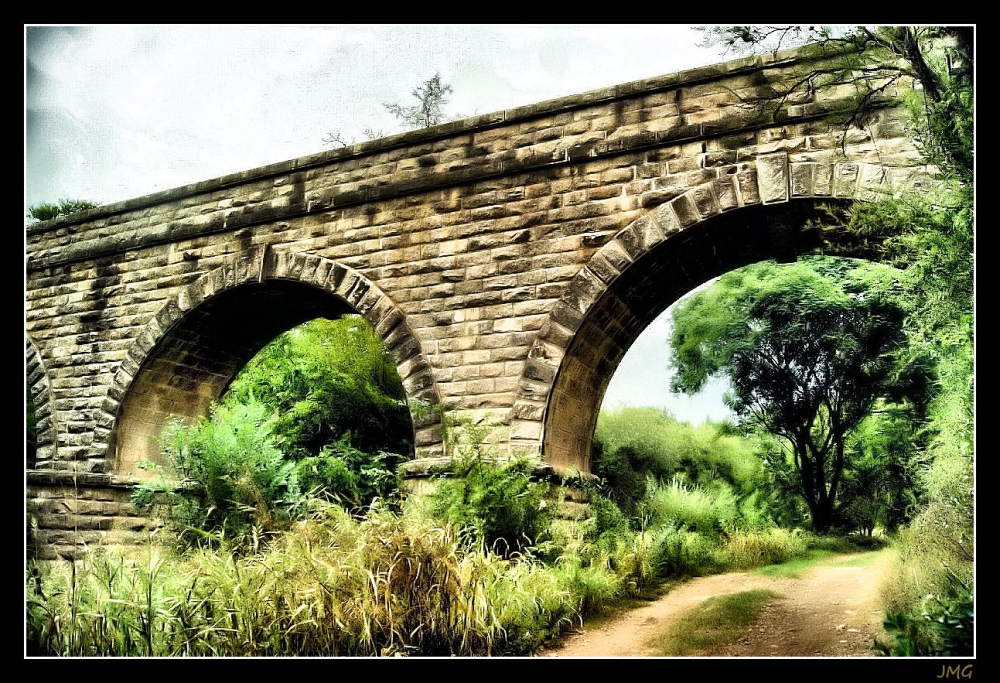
(703, 197)
(845, 179)
(772, 177)
(746, 183)
(725, 193)
(685, 210)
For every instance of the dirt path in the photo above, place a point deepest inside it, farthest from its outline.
(831, 611)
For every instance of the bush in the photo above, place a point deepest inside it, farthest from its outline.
(498, 502)
(492, 501)
(323, 380)
(347, 475)
(751, 549)
(315, 413)
(241, 480)
(690, 507)
(677, 552)
(46, 211)
(945, 628)
(631, 444)
(608, 518)
(927, 591)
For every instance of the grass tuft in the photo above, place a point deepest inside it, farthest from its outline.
(714, 623)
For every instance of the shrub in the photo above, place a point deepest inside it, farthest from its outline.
(752, 549)
(348, 475)
(43, 212)
(47, 211)
(608, 518)
(241, 479)
(323, 380)
(498, 502)
(677, 552)
(632, 444)
(690, 507)
(492, 501)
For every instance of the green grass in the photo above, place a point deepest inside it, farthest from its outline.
(716, 622)
(863, 560)
(335, 585)
(794, 569)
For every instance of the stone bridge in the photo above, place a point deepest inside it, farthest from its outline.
(508, 261)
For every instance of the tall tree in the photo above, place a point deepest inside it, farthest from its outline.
(807, 355)
(933, 237)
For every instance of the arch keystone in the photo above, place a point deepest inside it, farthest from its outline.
(746, 183)
(704, 200)
(725, 193)
(845, 181)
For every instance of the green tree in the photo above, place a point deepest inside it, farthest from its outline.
(881, 487)
(431, 97)
(807, 356)
(325, 380)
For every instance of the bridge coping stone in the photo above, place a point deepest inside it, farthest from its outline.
(432, 134)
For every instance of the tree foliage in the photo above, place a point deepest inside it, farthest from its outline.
(881, 488)
(431, 98)
(632, 444)
(807, 356)
(326, 380)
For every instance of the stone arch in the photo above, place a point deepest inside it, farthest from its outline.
(745, 214)
(40, 393)
(171, 368)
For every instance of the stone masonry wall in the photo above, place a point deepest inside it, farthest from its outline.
(466, 244)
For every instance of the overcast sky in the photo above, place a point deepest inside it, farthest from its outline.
(115, 112)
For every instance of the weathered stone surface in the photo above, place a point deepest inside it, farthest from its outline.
(772, 177)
